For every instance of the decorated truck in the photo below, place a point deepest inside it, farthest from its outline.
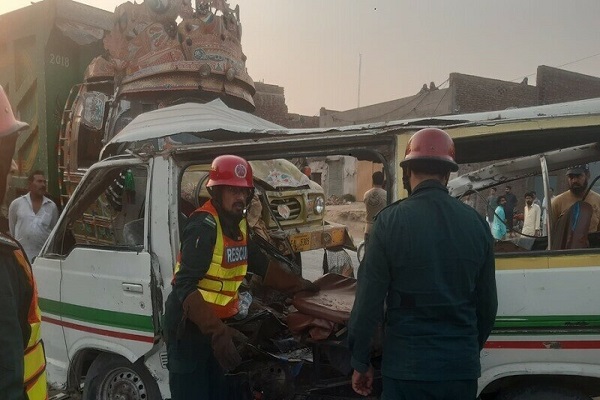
(140, 58)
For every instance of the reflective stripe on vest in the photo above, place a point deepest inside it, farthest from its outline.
(227, 268)
(35, 360)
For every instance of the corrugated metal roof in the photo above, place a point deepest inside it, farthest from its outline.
(193, 117)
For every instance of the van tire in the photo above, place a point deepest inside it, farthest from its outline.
(111, 375)
(539, 392)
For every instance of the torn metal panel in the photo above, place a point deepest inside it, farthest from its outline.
(511, 170)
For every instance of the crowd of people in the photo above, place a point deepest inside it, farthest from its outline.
(507, 221)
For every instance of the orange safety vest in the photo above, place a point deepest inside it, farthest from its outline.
(227, 269)
(34, 357)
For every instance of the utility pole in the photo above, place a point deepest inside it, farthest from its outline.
(359, 68)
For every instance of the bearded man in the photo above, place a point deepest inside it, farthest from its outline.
(577, 178)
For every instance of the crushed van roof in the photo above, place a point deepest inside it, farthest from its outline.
(216, 116)
(193, 117)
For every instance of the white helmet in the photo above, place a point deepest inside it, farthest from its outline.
(8, 123)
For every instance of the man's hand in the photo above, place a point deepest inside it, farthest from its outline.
(362, 383)
(224, 347)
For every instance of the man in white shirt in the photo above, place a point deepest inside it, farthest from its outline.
(531, 216)
(32, 216)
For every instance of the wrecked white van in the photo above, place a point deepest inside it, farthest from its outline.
(105, 271)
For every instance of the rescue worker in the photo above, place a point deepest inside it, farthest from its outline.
(22, 360)
(214, 258)
(431, 261)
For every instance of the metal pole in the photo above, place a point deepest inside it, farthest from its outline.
(359, 68)
(546, 181)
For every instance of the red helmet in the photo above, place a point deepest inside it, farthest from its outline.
(431, 144)
(8, 123)
(230, 170)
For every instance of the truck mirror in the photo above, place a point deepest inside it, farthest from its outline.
(94, 104)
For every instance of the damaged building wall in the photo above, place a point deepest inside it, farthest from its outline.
(557, 85)
(474, 94)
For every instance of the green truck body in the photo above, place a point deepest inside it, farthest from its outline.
(45, 49)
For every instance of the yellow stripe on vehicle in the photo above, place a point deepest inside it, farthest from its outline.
(545, 261)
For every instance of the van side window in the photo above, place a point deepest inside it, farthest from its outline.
(109, 212)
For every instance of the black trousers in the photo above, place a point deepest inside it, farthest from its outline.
(396, 389)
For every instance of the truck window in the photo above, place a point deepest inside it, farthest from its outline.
(107, 212)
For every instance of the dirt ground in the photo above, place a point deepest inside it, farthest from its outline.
(352, 215)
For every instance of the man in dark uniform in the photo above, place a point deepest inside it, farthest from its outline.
(22, 361)
(215, 255)
(431, 261)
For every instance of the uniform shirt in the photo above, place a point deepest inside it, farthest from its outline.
(15, 297)
(29, 228)
(531, 219)
(375, 200)
(197, 244)
(431, 261)
(562, 203)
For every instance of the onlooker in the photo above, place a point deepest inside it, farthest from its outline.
(499, 224)
(531, 216)
(545, 212)
(577, 178)
(32, 216)
(22, 361)
(431, 261)
(509, 207)
(491, 205)
(469, 200)
(375, 200)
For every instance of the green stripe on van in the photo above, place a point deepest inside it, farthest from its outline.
(97, 316)
(548, 321)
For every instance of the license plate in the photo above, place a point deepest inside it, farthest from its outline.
(300, 242)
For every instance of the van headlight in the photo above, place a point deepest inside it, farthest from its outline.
(319, 205)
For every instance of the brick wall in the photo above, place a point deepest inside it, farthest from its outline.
(270, 105)
(557, 85)
(474, 94)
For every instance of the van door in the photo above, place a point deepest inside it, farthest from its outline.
(102, 241)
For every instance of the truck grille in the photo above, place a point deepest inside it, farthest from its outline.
(293, 204)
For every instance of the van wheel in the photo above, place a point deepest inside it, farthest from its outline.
(114, 377)
(542, 393)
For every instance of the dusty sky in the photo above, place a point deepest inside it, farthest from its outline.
(312, 47)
